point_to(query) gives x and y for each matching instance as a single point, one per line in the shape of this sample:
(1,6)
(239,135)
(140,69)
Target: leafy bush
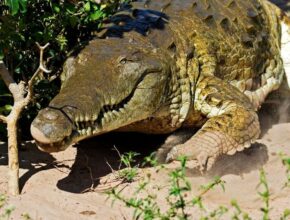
(65,24)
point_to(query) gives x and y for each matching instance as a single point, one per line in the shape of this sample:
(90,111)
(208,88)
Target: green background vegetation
(65,24)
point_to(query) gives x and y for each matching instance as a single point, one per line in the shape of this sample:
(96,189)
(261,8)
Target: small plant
(238,213)
(265,195)
(286,162)
(7,211)
(144,202)
(129,173)
(26,216)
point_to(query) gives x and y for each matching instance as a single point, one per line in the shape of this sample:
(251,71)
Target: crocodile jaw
(56,128)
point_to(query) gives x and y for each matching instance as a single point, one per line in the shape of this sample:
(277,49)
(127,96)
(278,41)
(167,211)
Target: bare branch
(41,68)
(22,94)
(5,75)
(3,119)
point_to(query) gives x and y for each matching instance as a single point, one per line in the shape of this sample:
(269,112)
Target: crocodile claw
(204,159)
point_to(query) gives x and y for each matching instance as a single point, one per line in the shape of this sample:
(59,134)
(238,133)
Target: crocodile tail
(285,44)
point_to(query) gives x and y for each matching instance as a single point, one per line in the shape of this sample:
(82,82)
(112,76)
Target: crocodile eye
(122,60)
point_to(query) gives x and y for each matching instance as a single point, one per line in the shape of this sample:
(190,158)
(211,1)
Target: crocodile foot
(205,148)
(232,124)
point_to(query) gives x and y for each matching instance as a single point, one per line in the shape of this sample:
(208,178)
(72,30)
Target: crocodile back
(233,39)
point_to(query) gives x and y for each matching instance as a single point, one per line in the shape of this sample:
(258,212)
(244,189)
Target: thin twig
(120,156)
(41,68)
(92,187)
(3,119)
(5,75)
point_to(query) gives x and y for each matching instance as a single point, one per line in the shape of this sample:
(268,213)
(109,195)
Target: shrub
(65,24)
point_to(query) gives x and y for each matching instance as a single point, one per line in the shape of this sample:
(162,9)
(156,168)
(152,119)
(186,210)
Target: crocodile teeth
(87,118)
(106,118)
(82,118)
(111,115)
(89,131)
(122,110)
(83,132)
(115,113)
(94,118)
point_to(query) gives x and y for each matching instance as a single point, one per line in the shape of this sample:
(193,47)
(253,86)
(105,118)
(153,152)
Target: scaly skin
(167,65)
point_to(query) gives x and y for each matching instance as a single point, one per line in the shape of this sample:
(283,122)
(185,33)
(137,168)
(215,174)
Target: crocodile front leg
(232,123)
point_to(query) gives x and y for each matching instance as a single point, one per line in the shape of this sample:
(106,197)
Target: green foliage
(286,163)
(265,195)
(238,213)
(145,204)
(130,172)
(147,207)
(16,5)
(65,24)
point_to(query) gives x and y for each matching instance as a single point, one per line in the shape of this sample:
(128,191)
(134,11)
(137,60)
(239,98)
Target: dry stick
(22,94)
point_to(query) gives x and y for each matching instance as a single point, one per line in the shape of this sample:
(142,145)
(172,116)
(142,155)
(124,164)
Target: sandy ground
(58,186)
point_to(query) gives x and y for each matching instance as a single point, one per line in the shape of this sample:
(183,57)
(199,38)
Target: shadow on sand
(94,155)
(31,159)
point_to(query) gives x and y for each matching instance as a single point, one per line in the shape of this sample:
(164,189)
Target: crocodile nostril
(50,115)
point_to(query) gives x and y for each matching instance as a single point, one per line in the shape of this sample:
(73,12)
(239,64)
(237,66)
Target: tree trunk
(13,173)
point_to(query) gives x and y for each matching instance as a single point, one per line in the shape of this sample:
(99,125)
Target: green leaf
(96,15)
(56,8)
(13,5)
(87,6)
(5,109)
(23,6)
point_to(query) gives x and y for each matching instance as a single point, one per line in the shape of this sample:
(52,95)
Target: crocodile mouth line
(86,126)
(107,113)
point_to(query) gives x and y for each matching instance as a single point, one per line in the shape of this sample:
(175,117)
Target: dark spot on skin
(209,20)
(247,41)
(218,124)
(252,13)
(225,23)
(251,30)
(172,47)
(194,4)
(232,4)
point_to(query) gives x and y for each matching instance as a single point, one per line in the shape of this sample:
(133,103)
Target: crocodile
(162,66)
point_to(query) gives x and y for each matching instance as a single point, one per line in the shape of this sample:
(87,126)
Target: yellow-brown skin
(198,62)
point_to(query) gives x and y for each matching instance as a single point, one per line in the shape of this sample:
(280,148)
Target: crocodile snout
(51,129)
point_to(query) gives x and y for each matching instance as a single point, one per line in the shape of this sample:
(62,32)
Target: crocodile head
(110,84)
